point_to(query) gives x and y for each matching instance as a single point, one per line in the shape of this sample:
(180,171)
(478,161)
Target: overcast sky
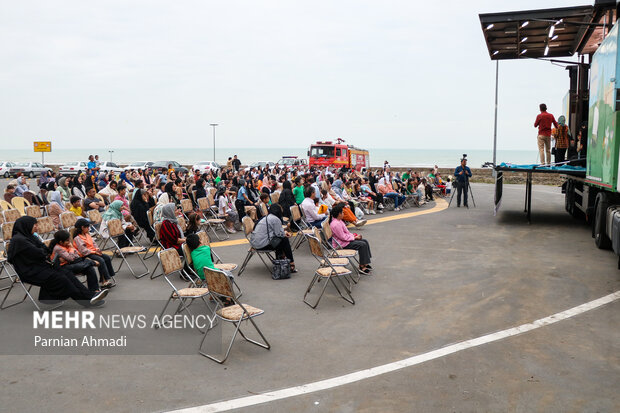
(381,74)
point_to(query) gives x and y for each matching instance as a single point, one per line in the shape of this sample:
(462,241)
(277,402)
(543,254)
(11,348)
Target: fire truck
(338,155)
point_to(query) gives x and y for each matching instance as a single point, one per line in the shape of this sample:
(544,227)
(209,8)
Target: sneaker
(373,212)
(99,297)
(360,222)
(396,209)
(97,304)
(380,206)
(231,231)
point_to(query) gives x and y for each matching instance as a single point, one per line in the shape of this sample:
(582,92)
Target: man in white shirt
(311,211)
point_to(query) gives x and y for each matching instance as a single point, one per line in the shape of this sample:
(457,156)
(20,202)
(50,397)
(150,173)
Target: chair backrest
(5,206)
(157,229)
(7,231)
(204,238)
(182,223)
(327,230)
(212,191)
(263,209)
(248,225)
(68,219)
(149,216)
(275,197)
(203,204)
(186,205)
(45,225)
(20,203)
(170,261)
(94,216)
(115,227)
(187,253)
(210,200)
(1,218)
(295,213)
(218,282)
(315,246)
(11,215)
(33,211)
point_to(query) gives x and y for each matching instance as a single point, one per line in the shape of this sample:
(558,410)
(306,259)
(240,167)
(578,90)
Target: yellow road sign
(43,146)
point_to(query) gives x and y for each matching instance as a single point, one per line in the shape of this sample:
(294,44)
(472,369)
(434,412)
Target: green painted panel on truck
(602,163)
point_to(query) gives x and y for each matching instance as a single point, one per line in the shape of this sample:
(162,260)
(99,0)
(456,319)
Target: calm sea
(186,156)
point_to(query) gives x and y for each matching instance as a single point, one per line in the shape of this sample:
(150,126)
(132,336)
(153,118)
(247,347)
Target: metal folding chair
(33,211)
(299,223)
(186,207)
(214,221)
(45,227)
(328,271)
(171,263)
(68,220)
(116,232)
(158,247)
(221,289)
(11,215)
(248,227)
(94,216)
(340,252)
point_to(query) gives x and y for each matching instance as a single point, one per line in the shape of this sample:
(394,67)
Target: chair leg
(316,278)
(264,345)
(221,361)
(246,260)
(349,297)
(153,276)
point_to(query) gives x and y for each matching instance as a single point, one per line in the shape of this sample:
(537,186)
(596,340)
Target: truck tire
(601,239)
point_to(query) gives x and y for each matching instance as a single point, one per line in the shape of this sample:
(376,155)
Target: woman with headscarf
(102,181)
(29,257)
(287,199)
(268,228)
(55,208)
(139,210)
(562,137)
(44,178)
(115,212)
(170,191)
(78,189)
(63,188)
(225,208)
(171,235)
(200,189)
(125,180)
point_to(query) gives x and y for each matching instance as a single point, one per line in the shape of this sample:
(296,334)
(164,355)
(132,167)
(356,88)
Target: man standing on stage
(544,121)
(462,173)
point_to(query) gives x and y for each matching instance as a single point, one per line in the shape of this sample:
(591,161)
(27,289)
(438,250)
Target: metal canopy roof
(559,32)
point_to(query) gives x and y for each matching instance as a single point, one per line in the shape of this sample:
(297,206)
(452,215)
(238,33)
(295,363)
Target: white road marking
(397,365)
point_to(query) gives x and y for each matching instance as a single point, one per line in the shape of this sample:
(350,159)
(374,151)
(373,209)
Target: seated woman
(115,212)
(70,259)
(193,224)
(55,208)
(139,211)
(287,199)
(28,255)
(122,196)
(171,235)
(109,192)
(87,248)
(63,188)
(225,207)
(342,238)
(268,228)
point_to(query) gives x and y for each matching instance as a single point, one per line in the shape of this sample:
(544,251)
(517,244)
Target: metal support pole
(495,127)
(213,125)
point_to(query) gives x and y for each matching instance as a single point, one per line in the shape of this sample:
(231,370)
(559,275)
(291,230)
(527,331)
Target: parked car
(4,168)
(206,166)
(138,165)
(30,169)
(160,166)
(261,164)
(292,162)
(73,168)
(108,167)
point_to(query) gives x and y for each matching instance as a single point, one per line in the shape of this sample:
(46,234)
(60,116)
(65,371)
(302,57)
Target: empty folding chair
(33,211)
(328,271)
(45,227)
(171,263)
(20,203)
(214,221)
(116,232)
(11,215)
(68,220)
(94,216)
(248,227)
(221,289)
(158,247)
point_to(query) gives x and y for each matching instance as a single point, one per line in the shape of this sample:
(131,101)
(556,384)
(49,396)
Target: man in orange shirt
(543,122)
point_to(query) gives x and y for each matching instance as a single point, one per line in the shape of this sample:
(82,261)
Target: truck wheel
(601,239)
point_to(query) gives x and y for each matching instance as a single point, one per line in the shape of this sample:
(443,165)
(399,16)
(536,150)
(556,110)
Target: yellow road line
(440,205)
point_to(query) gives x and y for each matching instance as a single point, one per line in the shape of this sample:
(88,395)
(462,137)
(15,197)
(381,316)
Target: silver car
(4,168)
(30,169)
(73,168)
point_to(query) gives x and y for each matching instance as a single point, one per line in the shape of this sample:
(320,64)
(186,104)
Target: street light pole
(495,126)
(213,125)
(111,152)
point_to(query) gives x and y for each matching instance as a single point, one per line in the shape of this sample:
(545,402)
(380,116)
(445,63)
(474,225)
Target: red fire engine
(338,155)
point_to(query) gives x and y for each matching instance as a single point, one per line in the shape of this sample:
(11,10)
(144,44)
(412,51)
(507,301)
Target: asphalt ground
(440,278)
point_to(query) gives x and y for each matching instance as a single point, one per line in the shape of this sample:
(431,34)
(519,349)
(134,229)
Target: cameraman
(462,173)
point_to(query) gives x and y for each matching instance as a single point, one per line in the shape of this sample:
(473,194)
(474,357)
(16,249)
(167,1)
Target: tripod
(455,188)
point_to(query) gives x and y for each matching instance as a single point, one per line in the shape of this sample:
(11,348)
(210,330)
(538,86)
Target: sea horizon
(188,156)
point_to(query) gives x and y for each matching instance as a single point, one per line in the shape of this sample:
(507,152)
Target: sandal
(293,270)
